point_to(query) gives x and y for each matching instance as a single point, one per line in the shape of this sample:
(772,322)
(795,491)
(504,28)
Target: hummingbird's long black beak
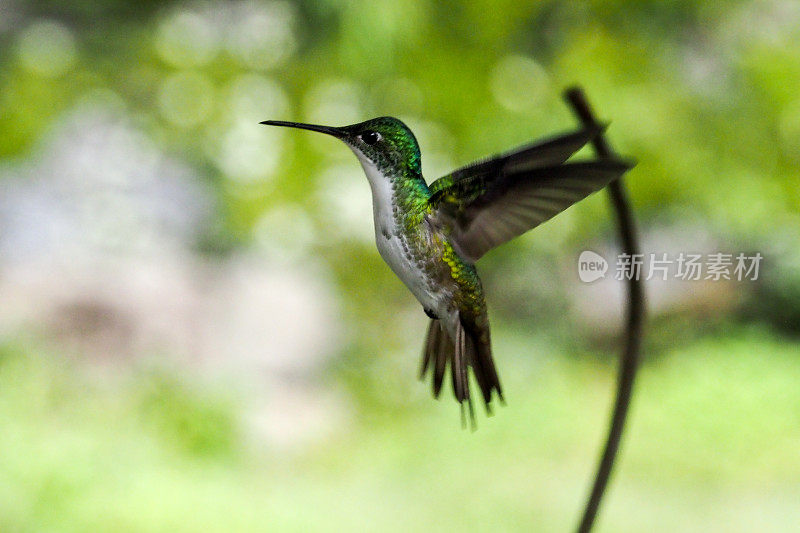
(330,130)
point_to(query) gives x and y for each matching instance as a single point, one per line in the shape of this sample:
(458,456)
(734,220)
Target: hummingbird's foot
(430,314)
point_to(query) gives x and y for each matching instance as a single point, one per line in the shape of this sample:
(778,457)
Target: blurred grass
(714,443)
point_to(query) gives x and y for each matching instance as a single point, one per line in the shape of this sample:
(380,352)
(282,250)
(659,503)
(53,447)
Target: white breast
(391,241)
(382,196)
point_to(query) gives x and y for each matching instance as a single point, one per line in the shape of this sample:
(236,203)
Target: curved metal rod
(629,358)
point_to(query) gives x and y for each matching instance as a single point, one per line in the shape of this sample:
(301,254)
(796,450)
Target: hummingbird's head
(384,142)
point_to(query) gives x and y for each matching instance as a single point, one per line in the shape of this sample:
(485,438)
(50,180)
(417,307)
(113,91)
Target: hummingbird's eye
(370,137)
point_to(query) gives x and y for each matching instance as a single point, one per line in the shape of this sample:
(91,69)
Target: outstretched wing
(550,151)
(490,202)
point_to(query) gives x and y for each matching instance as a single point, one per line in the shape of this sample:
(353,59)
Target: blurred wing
(483,212)
(548,152)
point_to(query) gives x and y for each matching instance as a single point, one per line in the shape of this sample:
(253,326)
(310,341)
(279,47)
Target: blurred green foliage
(477,77)
(703,94)
(712,447)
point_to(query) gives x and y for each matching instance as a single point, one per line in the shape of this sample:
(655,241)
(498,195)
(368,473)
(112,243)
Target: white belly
(432,296)
(394,251)
(391,243)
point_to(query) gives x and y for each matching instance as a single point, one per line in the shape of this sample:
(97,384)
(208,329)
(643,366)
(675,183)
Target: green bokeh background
(106,427)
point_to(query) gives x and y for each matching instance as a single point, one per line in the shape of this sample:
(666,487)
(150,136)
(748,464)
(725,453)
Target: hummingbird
(431,235)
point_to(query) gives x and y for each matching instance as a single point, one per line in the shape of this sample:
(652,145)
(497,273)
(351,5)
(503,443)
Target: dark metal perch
(629,357)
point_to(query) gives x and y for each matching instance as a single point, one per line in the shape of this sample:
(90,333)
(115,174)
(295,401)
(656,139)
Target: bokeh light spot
(47,48)
(333,102)
(285,233)
(257,98)
(186,98)
(346,202)
(519,83)
(249,151)
(186,39)
(260,35)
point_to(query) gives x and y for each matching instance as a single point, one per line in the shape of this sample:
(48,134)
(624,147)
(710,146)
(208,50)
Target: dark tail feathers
(470,348)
